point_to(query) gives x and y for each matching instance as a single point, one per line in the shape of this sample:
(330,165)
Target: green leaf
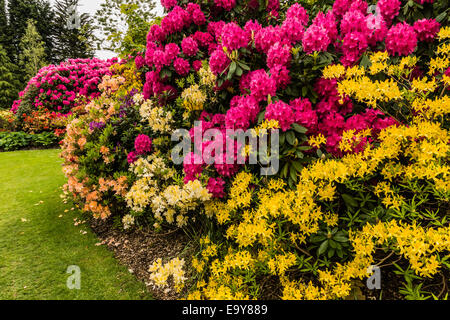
(323,247)
(293,174)
(340,238)
(298,128)
(297,166)
(304,91)
(239,71)
(233,67)
(290,137)
(349,200)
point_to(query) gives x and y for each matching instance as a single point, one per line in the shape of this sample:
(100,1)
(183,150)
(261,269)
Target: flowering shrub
(53,92)
(363,132)
(6,120)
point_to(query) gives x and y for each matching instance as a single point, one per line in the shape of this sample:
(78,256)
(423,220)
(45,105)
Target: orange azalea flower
(82,142)
(104,150)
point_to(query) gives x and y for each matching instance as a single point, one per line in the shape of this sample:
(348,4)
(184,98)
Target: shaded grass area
(39,241)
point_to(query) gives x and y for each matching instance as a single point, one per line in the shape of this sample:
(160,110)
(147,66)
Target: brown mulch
(137,250)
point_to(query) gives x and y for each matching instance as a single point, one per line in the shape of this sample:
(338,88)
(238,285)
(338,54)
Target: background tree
(8,82)
(20,11)
(123,24)
(72,41)
(32,48)
(5,32)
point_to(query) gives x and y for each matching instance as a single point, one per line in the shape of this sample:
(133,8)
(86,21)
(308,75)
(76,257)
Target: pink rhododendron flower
(224,169)
(340,7)
(296,11)
(267,37)
(237,118)
(132,157)
(234,37)
(181,66)
(293,30)
(389,9)
(401,40)
(261,85)
(218,61)
(354,21)
(377,29)
(327,21)
(226,4)
(216,187)
(354,45)
(193,165)
(315,39)
(280,74)
(168,4)
(279,55)
(139,61)
(143,144)
(281,112)
(189,46)
(359,5)
(197,65)
(426,29)
(156,34)
(203,38)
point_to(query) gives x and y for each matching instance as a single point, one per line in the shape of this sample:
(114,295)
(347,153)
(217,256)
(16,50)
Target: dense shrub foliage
(49,96)
(359,94)
(11,141)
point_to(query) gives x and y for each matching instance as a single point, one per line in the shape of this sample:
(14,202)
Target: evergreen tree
(8,83)
(20,11)
(32,48)
(5,32)
(72,40)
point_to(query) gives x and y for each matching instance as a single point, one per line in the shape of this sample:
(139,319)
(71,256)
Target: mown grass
(37,245)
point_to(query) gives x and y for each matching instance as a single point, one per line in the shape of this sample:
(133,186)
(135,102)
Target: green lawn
(37,245)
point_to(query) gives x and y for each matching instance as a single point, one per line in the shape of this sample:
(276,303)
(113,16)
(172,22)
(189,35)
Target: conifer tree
(32,57)
(74,32)
(8,82)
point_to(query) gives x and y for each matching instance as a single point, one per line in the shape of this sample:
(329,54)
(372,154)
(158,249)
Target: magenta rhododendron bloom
(279,55)
(340,7)
(377,29)
(354,45)
(267,37)
(189,46)
(182,66)
(143,144)
(315,39)
(168,4)
(139,61)
(426,29)
(216,187)
(401,40)
(218,61)
(389,9)
(327,21)
(171,50)
(354,21)
(262,85)
(296,11)
(281,112)
(132,157)
(225,4)
(193,165)
(234,37)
